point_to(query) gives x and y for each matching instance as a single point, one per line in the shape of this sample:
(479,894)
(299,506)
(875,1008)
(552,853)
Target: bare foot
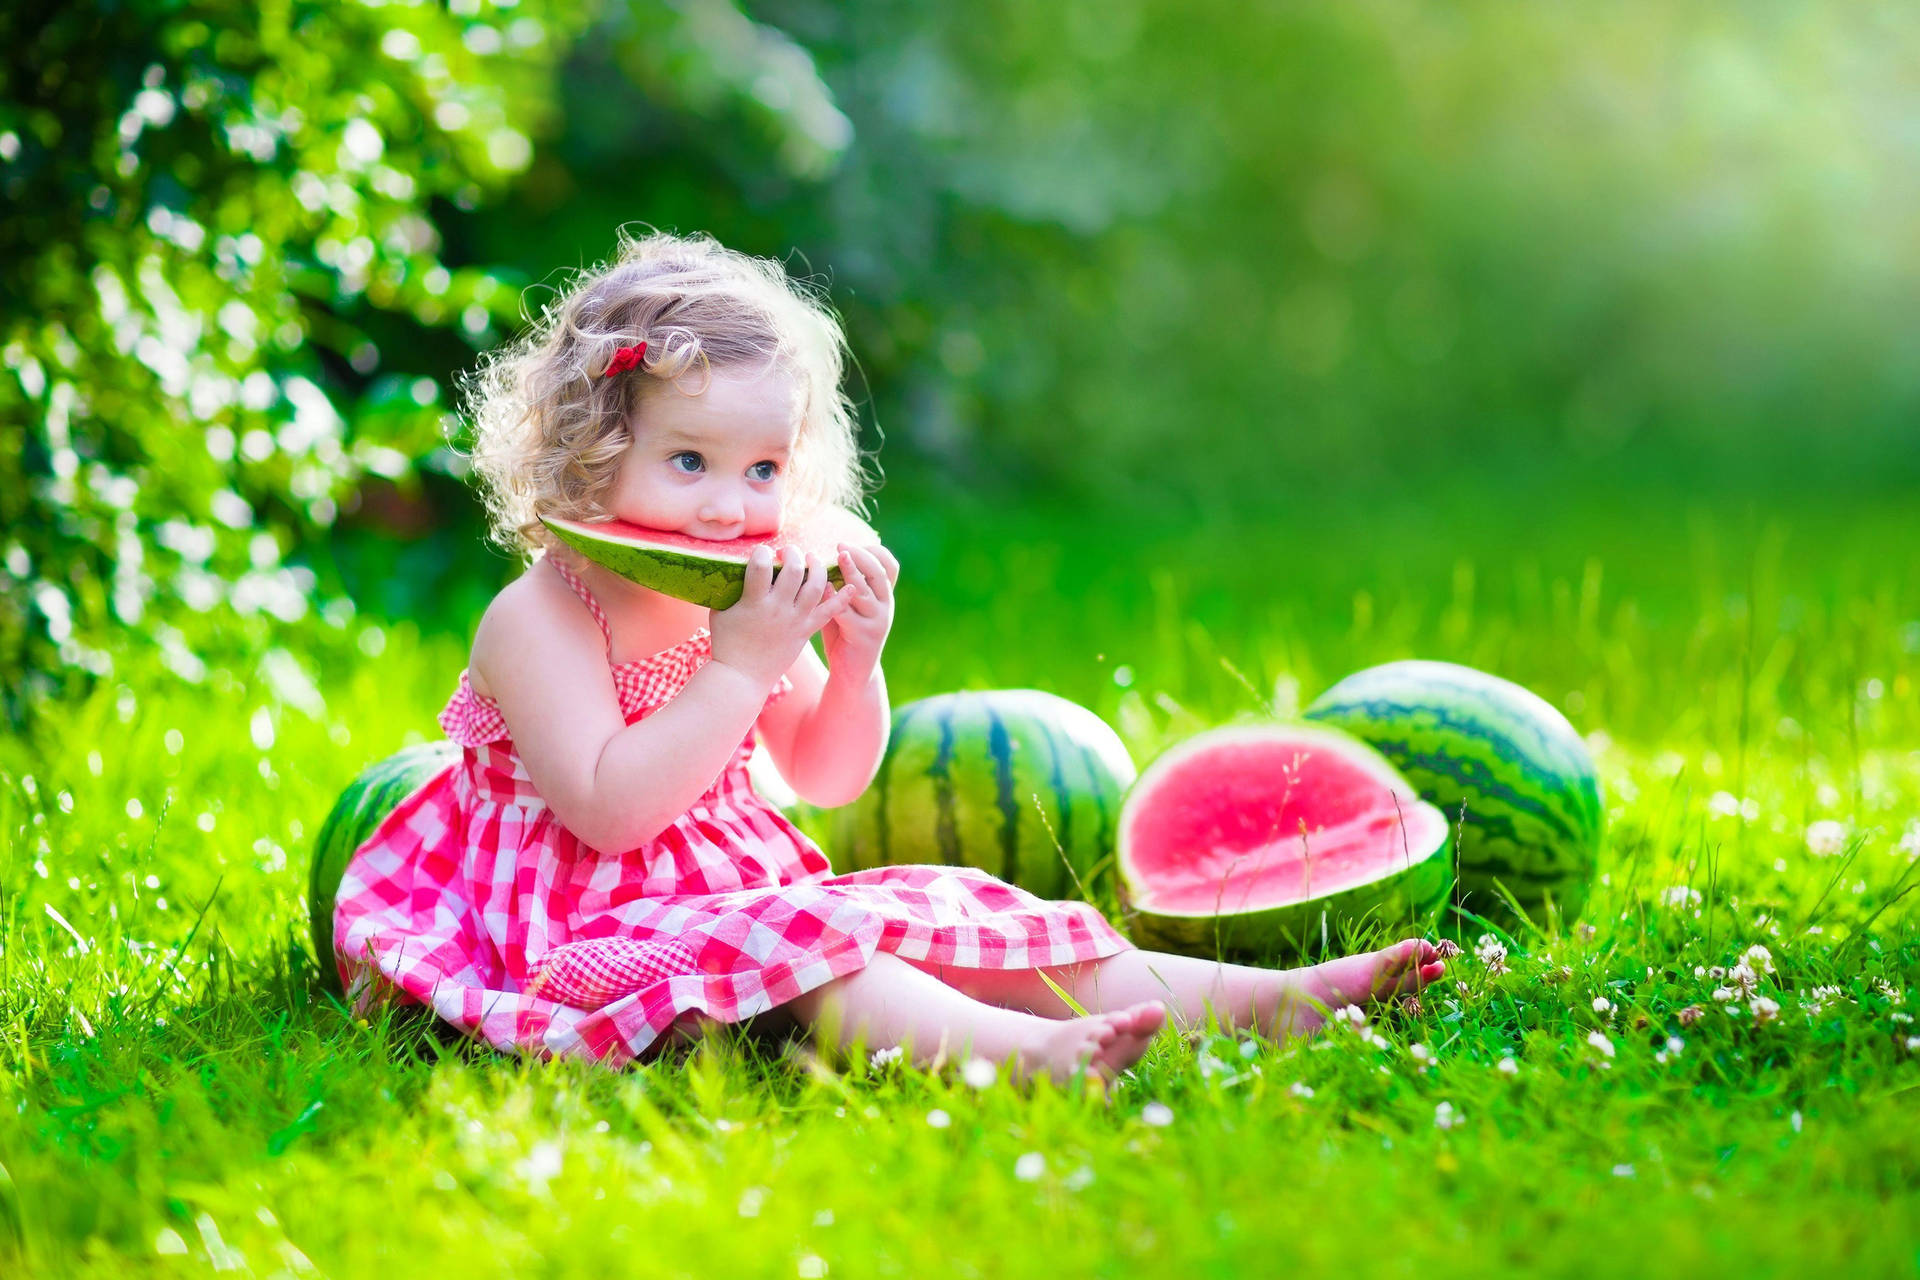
(1401,969)
(1104,1043)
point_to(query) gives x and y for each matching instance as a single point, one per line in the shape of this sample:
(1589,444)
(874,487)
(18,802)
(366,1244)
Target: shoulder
(535,618)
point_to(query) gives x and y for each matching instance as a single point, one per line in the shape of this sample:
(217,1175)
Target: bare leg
(892,1003)
(1276,1002)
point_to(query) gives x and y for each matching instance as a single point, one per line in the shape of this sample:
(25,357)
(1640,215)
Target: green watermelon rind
(362,806)
(1411,897)
(954,789)
(1409,894)
(1529,807)
(715,581)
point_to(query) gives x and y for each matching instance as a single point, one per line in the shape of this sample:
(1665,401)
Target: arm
(828,735)
(613,784)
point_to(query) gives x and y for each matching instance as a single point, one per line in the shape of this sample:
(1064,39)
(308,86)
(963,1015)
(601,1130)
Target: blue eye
(687,462)
(762,470)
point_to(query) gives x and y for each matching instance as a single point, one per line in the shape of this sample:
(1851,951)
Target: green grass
(181,1097)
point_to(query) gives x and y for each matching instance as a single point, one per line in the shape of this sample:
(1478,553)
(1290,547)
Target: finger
(817,585)
(861,600)
(884,570)
(793,572)
(852,570)
(759,574)
(827,610)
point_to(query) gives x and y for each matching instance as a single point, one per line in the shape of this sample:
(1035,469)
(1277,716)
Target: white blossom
(979,1073)
(1507,1067)
(1445,1117)
(1598,1039)
(1826,838)
(1157,1114)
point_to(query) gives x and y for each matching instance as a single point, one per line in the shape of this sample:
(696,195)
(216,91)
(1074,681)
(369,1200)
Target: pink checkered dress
(472,898)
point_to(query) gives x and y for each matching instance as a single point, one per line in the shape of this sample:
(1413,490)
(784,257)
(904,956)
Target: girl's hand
(763,633)
(854,638)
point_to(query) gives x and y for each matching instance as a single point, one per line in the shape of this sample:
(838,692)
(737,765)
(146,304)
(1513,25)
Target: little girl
(596,872)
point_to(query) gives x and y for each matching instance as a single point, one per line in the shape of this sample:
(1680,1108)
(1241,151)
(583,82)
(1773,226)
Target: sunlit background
(1378,294)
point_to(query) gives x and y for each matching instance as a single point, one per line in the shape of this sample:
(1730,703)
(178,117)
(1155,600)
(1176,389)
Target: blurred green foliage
(1179,258)
(222,228)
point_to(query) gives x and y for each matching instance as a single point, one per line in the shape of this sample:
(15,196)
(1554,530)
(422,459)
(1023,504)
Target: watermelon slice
(701,570)
(1267,839)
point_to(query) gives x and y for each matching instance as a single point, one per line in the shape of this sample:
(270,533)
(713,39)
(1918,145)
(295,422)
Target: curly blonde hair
(549,429)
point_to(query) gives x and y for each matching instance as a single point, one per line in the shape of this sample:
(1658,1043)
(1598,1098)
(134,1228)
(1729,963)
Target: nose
(723,504)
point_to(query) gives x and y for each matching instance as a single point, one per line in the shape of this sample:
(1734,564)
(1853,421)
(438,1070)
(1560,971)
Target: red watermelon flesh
(1262,830)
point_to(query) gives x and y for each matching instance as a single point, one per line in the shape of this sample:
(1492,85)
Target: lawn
(1747,672)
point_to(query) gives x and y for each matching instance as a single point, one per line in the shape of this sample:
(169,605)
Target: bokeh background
(1245,319)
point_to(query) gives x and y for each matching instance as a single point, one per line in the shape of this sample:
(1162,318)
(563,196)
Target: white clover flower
(1157,1114)
(1623,1171)
(938,1118)
(1910,841)
(1030,1166)
(1763,1010)
(1598,1040)
(1080,1179)
(1723,804)
(1913,1044)
(1796,1121)
(884,1057)
(1507,1067)
(1445,1117)
(979,1073)
(1759,958)
(1492,953)
(1681,895)
(1717,972)
(1724,994)
(1351,1015)
(1743,978)
(1419,1052)
(1826,838)
(1602,1006)
(1301,1089)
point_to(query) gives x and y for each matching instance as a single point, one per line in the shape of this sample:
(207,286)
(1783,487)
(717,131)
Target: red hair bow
(625,358)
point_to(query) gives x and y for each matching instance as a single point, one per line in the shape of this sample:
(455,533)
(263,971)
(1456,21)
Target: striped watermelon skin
(361,808)
(978,778)
(1533,817)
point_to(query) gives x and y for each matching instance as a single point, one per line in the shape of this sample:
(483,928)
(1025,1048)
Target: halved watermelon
(1267,839)
(701,570)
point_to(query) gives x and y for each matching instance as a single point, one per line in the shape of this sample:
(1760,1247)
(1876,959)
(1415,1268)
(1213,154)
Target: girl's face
(712,465)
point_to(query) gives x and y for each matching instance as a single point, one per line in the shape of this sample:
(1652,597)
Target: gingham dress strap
(586,596)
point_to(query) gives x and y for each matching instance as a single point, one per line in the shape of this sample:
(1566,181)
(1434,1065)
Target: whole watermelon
(360,809)
(1019,783)
(1532,818)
